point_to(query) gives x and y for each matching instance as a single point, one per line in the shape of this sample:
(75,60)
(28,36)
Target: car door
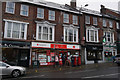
(5,69)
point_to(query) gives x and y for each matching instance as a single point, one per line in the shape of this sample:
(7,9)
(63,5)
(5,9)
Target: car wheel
(16,73)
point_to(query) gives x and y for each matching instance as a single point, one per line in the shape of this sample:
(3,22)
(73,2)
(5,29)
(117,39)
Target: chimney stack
(73,3)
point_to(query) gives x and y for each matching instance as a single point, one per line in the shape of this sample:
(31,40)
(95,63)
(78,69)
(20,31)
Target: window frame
(48,26)
(96,21)
(40,13)
(87,19)
(88,37)
(75,19)
(70,28)
(66,18)
(24,10)
(13,8)
(117,25)
(51,15)
(110,23)
(111,41)
(18,22)
(104,23)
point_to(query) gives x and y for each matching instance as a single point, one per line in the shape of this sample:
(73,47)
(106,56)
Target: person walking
(56,61)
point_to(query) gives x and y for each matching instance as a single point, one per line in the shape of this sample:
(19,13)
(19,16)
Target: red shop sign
(59,46)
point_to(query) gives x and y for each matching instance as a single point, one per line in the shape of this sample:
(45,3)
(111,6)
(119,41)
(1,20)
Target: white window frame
(52,15)
(110,23)
(13,7)
(87,19)
(45,25)
(117,25)
(95,21)
(68,28)
(90,35)
(104,23)
(25,10)
(110,36)
(19,22)
(42,13)
(75,19)
(66,18)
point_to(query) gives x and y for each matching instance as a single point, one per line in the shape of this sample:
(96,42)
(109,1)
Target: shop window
(70,34)
(108,54)
(15,29)
(94,55)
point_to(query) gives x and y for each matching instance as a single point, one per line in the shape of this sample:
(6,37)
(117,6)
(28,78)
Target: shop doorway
(23,57)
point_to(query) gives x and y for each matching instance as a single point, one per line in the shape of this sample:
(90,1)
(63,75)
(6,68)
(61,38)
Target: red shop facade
(45,53)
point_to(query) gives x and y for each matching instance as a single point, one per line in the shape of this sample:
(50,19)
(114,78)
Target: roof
(51,5)
(89,11)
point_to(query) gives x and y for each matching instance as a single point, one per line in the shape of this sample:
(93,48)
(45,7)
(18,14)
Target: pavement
(63,68)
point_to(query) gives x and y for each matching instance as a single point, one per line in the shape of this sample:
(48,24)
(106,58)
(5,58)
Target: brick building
(39,30)
(99,36)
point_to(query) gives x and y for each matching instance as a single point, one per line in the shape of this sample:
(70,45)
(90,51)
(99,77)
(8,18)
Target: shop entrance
(23,57)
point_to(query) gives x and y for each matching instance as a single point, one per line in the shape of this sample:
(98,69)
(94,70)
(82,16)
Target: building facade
(38,31)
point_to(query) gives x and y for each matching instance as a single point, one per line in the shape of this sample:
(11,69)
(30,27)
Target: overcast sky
(93,4)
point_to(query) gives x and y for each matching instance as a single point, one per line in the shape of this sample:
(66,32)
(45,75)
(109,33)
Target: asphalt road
(95,73)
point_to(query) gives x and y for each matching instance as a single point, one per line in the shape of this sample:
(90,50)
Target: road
(97,72)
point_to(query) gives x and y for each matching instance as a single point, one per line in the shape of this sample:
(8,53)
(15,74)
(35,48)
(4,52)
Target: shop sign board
(55,46)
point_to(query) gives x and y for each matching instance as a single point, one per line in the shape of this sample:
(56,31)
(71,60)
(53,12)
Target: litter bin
(36,64)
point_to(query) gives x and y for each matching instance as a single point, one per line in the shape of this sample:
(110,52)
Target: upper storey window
(24,10)
(10,7)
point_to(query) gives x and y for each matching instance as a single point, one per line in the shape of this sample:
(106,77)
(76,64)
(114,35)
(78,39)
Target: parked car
(14,71)
(117,59)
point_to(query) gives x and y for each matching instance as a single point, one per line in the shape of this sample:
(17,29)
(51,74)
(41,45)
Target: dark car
(117,59)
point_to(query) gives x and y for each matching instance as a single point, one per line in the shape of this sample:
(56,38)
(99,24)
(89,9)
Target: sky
(92,4)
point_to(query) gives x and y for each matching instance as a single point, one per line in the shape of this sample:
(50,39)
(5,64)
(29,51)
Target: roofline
(76,12)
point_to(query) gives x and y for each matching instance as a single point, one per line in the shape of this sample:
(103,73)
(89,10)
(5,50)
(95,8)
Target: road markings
(100,76)
(34,76)
(80,71)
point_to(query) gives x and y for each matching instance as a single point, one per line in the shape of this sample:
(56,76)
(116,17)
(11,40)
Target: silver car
(14,71)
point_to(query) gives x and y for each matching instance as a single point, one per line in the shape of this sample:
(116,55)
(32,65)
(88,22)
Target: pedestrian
(56,61)
(63,59)
(72,60)
(113,58)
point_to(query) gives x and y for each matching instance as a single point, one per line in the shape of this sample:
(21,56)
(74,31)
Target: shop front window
(94,55)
